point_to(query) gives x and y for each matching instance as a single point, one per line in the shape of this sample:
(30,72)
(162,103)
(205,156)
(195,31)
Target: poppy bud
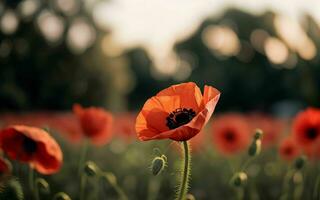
(12,190)
(61,196)
(190,197)
(158,164)
(43,185)
(255,148)
(258,134)
(300,162)
(239,179)
(91,169)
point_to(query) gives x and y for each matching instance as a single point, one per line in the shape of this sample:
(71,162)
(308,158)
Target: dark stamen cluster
(312,133)
(180,117)
(229,136)
(29,145)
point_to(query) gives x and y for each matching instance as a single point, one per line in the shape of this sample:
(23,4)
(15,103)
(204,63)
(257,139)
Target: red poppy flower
(178,112)
(231,133)
(272,128)
(67,125)
(306,127)
(32,145)
(289,149)
(96,123)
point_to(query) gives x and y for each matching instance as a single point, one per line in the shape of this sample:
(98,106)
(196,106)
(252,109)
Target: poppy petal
(190,94)
(152,119)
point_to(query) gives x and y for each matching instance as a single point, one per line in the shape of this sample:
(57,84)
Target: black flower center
(229,136)
(312,133)
(180,117)
(29,145)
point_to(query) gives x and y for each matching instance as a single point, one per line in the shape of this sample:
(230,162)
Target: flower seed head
(300,162)
(258,134)
(239,179)
(91,169)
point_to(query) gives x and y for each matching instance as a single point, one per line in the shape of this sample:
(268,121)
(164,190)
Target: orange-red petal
(151,121)
(48,156)
(189,93)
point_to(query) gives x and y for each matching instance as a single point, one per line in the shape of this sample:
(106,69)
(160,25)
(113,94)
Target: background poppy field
(81,70)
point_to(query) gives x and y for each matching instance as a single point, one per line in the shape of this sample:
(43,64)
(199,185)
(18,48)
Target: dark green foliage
(11,189)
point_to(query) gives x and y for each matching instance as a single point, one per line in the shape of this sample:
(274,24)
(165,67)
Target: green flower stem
(246,164)
(83,181)
(113,182)
(184,184)
(83,176)
(240,193)
(83,155)
(31,180)
(316,189)
(32,184)
(286,185)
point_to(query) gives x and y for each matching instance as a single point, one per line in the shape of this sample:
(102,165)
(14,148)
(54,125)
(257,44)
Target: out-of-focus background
(264,57)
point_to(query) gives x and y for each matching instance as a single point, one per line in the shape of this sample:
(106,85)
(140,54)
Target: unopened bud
(91,169)
(258,134)
(300,162)
(158,164)
(12,190)
(43,185)
(255,148)
(239,179)
(61,196)
(190,197)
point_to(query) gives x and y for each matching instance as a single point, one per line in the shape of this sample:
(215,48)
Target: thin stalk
(240,193)
(82,174)
(83,155)
(246,164)
(286,185)
(184,183)
(31,178)
(316,189)
(82,186)
(33,187)
(112,181)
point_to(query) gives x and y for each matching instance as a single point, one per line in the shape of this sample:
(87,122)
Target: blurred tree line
(37,75)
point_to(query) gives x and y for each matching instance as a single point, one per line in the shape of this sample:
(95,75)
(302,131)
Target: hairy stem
(183,187)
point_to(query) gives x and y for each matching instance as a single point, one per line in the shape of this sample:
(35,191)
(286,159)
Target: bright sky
(158,24)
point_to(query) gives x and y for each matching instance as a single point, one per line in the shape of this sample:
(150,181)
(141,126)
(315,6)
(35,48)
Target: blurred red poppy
(32,145)
(231,133)
(67,125)
(272,128)
(124,126)
(96,123)
(306,127)
(196,143)
(288,149)
(178,112)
